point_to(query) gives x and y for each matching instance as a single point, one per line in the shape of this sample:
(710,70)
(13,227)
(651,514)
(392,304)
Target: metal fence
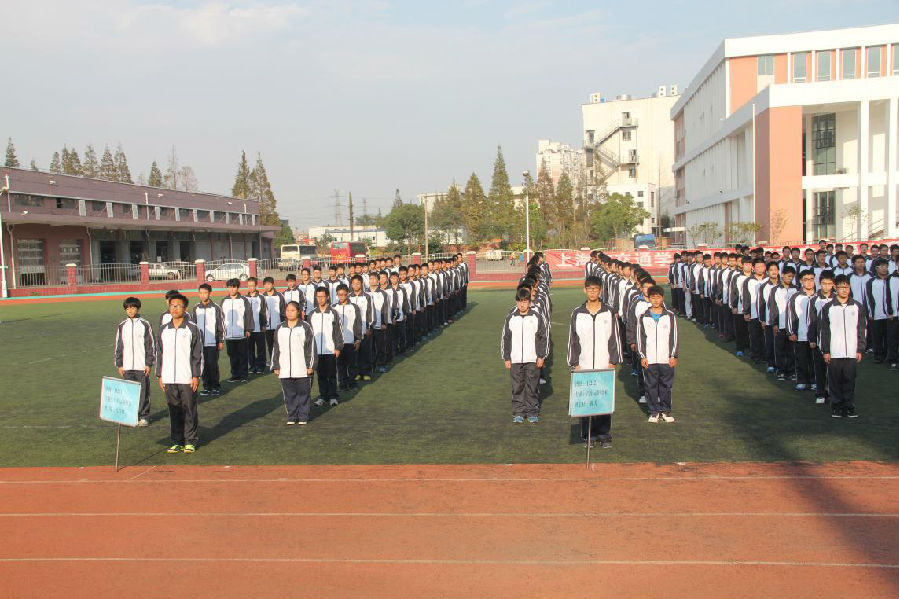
(500,261)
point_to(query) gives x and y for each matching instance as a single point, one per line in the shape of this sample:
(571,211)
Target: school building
(106,229)
(797,133)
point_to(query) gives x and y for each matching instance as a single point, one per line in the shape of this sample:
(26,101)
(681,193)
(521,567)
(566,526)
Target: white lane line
(451,514)
(313,560)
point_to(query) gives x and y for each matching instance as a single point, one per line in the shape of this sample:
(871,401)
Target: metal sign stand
(589,440)
(118,434)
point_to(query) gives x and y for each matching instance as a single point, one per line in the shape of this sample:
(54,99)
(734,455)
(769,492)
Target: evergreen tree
(11,159)
(501,200)
(107,166)
(155,178)
(564,210)
(74,163)
(91,166)
(261,191)
(65,163)
(123,173)
(241,187)
(55,164)
(474,204)
(33,165)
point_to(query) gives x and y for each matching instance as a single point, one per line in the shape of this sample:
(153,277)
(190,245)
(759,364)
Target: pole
(4,291)
(589,441)
(424,201)
(527,226)
(118,433)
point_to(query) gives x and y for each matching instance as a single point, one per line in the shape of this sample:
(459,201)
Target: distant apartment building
(558,158)
(371,235)
(628,148)
(795,132)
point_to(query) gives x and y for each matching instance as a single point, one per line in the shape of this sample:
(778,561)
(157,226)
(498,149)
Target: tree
(123,173)
(564,210)
(65,164)
(91,166)
(107,166)
(446,213)
(71,164)
(11,158)
(500,200)
(55,164)
(261,191)
(474,204)
(544,195)
(405,224)
(241,187)
(617,217)
(172,171)
(285,235)
(707,232)
(33,165)
(188,179)
(155,177)
(735,232)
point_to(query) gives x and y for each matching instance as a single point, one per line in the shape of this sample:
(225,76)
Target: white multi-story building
(628,148)
(558,158)
(797,133)
(371,235)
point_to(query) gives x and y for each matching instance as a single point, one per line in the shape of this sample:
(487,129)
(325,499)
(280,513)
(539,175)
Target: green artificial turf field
(448,402)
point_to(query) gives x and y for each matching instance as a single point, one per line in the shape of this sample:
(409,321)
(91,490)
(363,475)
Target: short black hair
(180,298)
(788,270)
(522,293)
(171,293)
(592,282)
(233,283)
(269,280)
(292,277)
(205,286)
(343,287)
(825,274)
(357,278)
(131,302)
(252,279)
(840,279)
(805,272)
(655,290)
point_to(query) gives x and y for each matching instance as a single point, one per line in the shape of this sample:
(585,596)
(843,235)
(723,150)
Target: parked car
(229,270)
(164,271)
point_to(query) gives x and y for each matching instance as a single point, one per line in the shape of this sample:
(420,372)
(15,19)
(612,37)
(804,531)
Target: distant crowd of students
(343,329)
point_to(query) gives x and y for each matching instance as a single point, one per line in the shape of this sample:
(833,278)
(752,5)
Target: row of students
(835,256)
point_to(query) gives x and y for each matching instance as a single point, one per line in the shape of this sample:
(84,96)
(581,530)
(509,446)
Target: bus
(292,255)
(346,251)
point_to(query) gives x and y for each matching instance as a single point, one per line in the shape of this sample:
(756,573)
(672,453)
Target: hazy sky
(362,96)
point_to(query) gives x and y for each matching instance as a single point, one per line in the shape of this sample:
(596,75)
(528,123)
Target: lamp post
(527,218)
(4,292)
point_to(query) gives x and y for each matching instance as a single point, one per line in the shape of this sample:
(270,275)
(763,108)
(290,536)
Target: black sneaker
(215,392)
(233,380)
(836,413)
(606,444)
(850,413)
(205,392)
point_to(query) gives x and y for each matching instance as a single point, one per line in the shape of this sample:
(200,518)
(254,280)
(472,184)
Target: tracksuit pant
(211,375)
(399,336)
(878,338)
(138,376)
(769,346)
(269,344)
(379,347)
(363,356)
(256,351)
(677,298)
(783,353)
(893,340)
(524,388)
(688,304)
(841,379)
(638,368)
(410,330)
(756,340)
(659,380)
(296,398)
(820,373)
(741,332)
(237,353)
(182,404)
(697,307)
(390,340)
(805,368)
(327,376)
(346,366)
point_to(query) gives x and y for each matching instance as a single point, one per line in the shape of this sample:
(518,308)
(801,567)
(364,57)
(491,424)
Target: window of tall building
(825,215)
(800,62)
(632,172)
(824,142)
(874,61)
(895,59)
(626,135)
(766,64)
(823,71)
(848,70)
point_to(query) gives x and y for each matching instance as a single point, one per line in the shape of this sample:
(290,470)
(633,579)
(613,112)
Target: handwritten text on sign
(119,401)
(592,393)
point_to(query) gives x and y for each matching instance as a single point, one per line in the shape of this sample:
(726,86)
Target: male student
(879,306)
(211,321)
(594,343)
(825,296)
(293,362)
(639,303)
(893,323)
(801,316)
(275,305)
(135,352)
(657,344)
(179,363)
(740,326)
(842,343)
(307,288)
(751,309)
(328,343)
(524,345)
(380,318)
(362,300)
(765,290)
(237,312)
(784,359)
(166,316)
(351,326)
(256,341)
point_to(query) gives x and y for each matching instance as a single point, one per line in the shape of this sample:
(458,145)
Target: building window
(626,135)
(26,201)
(825,222)
(766,64)
(895,59)
(823,72)
(639,194)
(825,143)
(800,62)
(874,61)
(848,71)
(65,204)
(632,172)
(97,206)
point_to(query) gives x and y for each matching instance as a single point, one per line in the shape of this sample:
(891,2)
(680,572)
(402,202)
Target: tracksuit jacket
(524,338)
(179,353)
(135,347)
(275,305)
(802,316)
(657,341)
(878,298)
(364,303)
(585,329)
(211,321)
(350,321)
(238,314)
(294,350)
(328,330)
(842,329)
(777,306)
(259,312)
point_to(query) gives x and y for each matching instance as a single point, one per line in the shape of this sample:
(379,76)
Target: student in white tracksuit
(524,346)
(293,362)
(843,324)
(657,343)
(135,352)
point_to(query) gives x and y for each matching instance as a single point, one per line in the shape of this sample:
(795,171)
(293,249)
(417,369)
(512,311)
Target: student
(362,300)
(825,296)
(842,266)
(765,320)
(293,362)
(639,303)
(256,340)
(237,312)
(332,284)
(351,326)
(594,343)
(801,316)
(879,306)
(740,326)
(751,310)
(179,363)
(390,337)
(211,321)
(524,346)
(842,343)
(275,304)
(135,352)
(380,317)
(893,323)
(166,316)
(307,289)
(657,344)
(784,359)
(400,304)
(328,343)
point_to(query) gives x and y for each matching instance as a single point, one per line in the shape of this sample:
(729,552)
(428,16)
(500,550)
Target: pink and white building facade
(795,132)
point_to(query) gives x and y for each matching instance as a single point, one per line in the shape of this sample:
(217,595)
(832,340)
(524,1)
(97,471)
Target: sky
(362,96)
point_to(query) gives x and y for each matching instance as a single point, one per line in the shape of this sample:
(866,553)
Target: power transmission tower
(338,216)
(365,210)
(351,215)
(397,200)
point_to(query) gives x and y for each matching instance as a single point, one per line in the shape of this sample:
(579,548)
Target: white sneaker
(290,423)
(332,403)
(542,381)
(143,422)
(301,422)
(320,401)
(667,417)
(819,400)
(642,399)
(653,418)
